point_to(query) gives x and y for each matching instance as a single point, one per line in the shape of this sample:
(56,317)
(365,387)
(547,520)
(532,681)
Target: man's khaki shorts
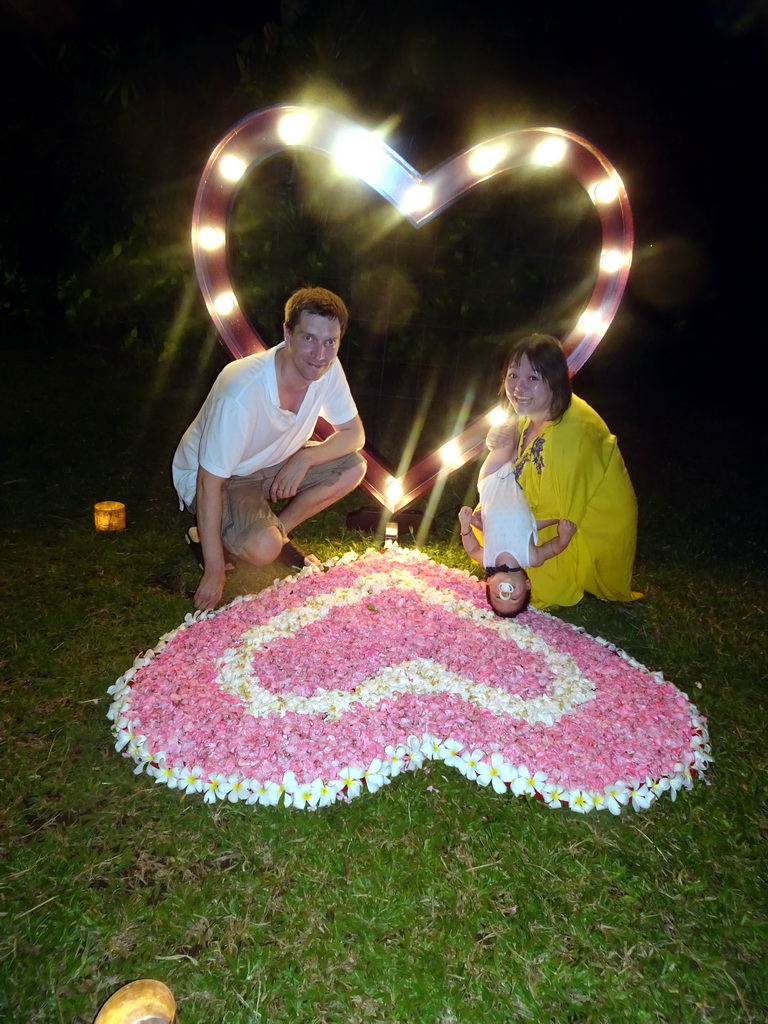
(246,508)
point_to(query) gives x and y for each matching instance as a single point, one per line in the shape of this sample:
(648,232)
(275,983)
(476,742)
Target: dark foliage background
(115,107)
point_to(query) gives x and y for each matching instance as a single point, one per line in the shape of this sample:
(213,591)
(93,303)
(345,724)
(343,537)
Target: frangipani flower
(326,792)
(598,800)
(450,751)
(163,773)
(580,801)
(350,777)
(616,796)
(528,783)
(191,781)
(430,746)
(266,793)
(658,786)
(396,759)
(676,783)
(470,764)
(140,757)
(239,789)
(498,773)
(216,787)
(375,775)
(305,794)
(415,753)
(640,796)
(553,794)
(126,735)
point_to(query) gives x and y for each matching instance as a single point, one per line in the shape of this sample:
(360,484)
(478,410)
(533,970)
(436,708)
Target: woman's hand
(505,435)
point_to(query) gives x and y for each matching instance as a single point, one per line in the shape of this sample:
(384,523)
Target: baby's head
(508,593)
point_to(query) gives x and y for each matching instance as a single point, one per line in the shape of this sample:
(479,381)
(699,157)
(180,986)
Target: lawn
(433,900)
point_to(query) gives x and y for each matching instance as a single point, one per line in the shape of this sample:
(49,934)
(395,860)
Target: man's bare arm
(346,438)
(208,510)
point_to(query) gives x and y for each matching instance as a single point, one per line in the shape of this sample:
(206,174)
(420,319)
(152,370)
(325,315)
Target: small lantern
(391,534)
(109,515)
(138,1003)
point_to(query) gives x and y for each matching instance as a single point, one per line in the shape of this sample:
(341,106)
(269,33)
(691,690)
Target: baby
(510,535)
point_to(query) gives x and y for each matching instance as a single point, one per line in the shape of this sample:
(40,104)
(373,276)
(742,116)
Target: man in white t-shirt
(250,442)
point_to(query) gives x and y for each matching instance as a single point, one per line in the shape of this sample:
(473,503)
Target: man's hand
(287,481)
(210,589)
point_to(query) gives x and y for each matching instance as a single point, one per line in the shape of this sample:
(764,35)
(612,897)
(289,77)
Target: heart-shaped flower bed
(329,683)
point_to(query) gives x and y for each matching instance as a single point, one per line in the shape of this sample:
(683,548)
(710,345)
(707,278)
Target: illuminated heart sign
(419,198)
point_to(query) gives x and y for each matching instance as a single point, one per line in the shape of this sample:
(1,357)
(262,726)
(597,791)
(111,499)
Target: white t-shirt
(508,523)
(241,427)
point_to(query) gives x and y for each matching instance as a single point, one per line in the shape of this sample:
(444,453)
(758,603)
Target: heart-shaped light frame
(418,198)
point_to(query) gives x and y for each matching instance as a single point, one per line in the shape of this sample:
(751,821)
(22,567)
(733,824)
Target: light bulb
(225,303)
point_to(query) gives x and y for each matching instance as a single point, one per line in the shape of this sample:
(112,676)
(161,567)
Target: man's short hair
(317,301)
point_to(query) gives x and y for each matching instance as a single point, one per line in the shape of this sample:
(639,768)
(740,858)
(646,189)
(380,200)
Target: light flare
(451,455)
(293,128)
(612,260)
(497,416)
(550,152)
(360,154)
(417,198)
(393,490)
(485,159)
(590,320)
(232,167)
(210,238)
(225,303)
(604,191)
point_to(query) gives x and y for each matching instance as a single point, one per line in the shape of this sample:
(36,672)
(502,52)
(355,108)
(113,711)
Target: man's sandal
(295,559)
(192,537)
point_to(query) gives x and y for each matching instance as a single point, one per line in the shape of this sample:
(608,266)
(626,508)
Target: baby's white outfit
(508,523)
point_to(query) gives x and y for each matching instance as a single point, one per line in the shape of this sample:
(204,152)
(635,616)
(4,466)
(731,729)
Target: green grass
(442,904)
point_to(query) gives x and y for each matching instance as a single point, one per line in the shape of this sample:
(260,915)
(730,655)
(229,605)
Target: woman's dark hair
(546,356)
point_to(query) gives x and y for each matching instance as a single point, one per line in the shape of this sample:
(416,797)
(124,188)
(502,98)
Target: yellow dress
(574,470)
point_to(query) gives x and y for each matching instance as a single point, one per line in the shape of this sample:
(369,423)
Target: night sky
(107,102)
